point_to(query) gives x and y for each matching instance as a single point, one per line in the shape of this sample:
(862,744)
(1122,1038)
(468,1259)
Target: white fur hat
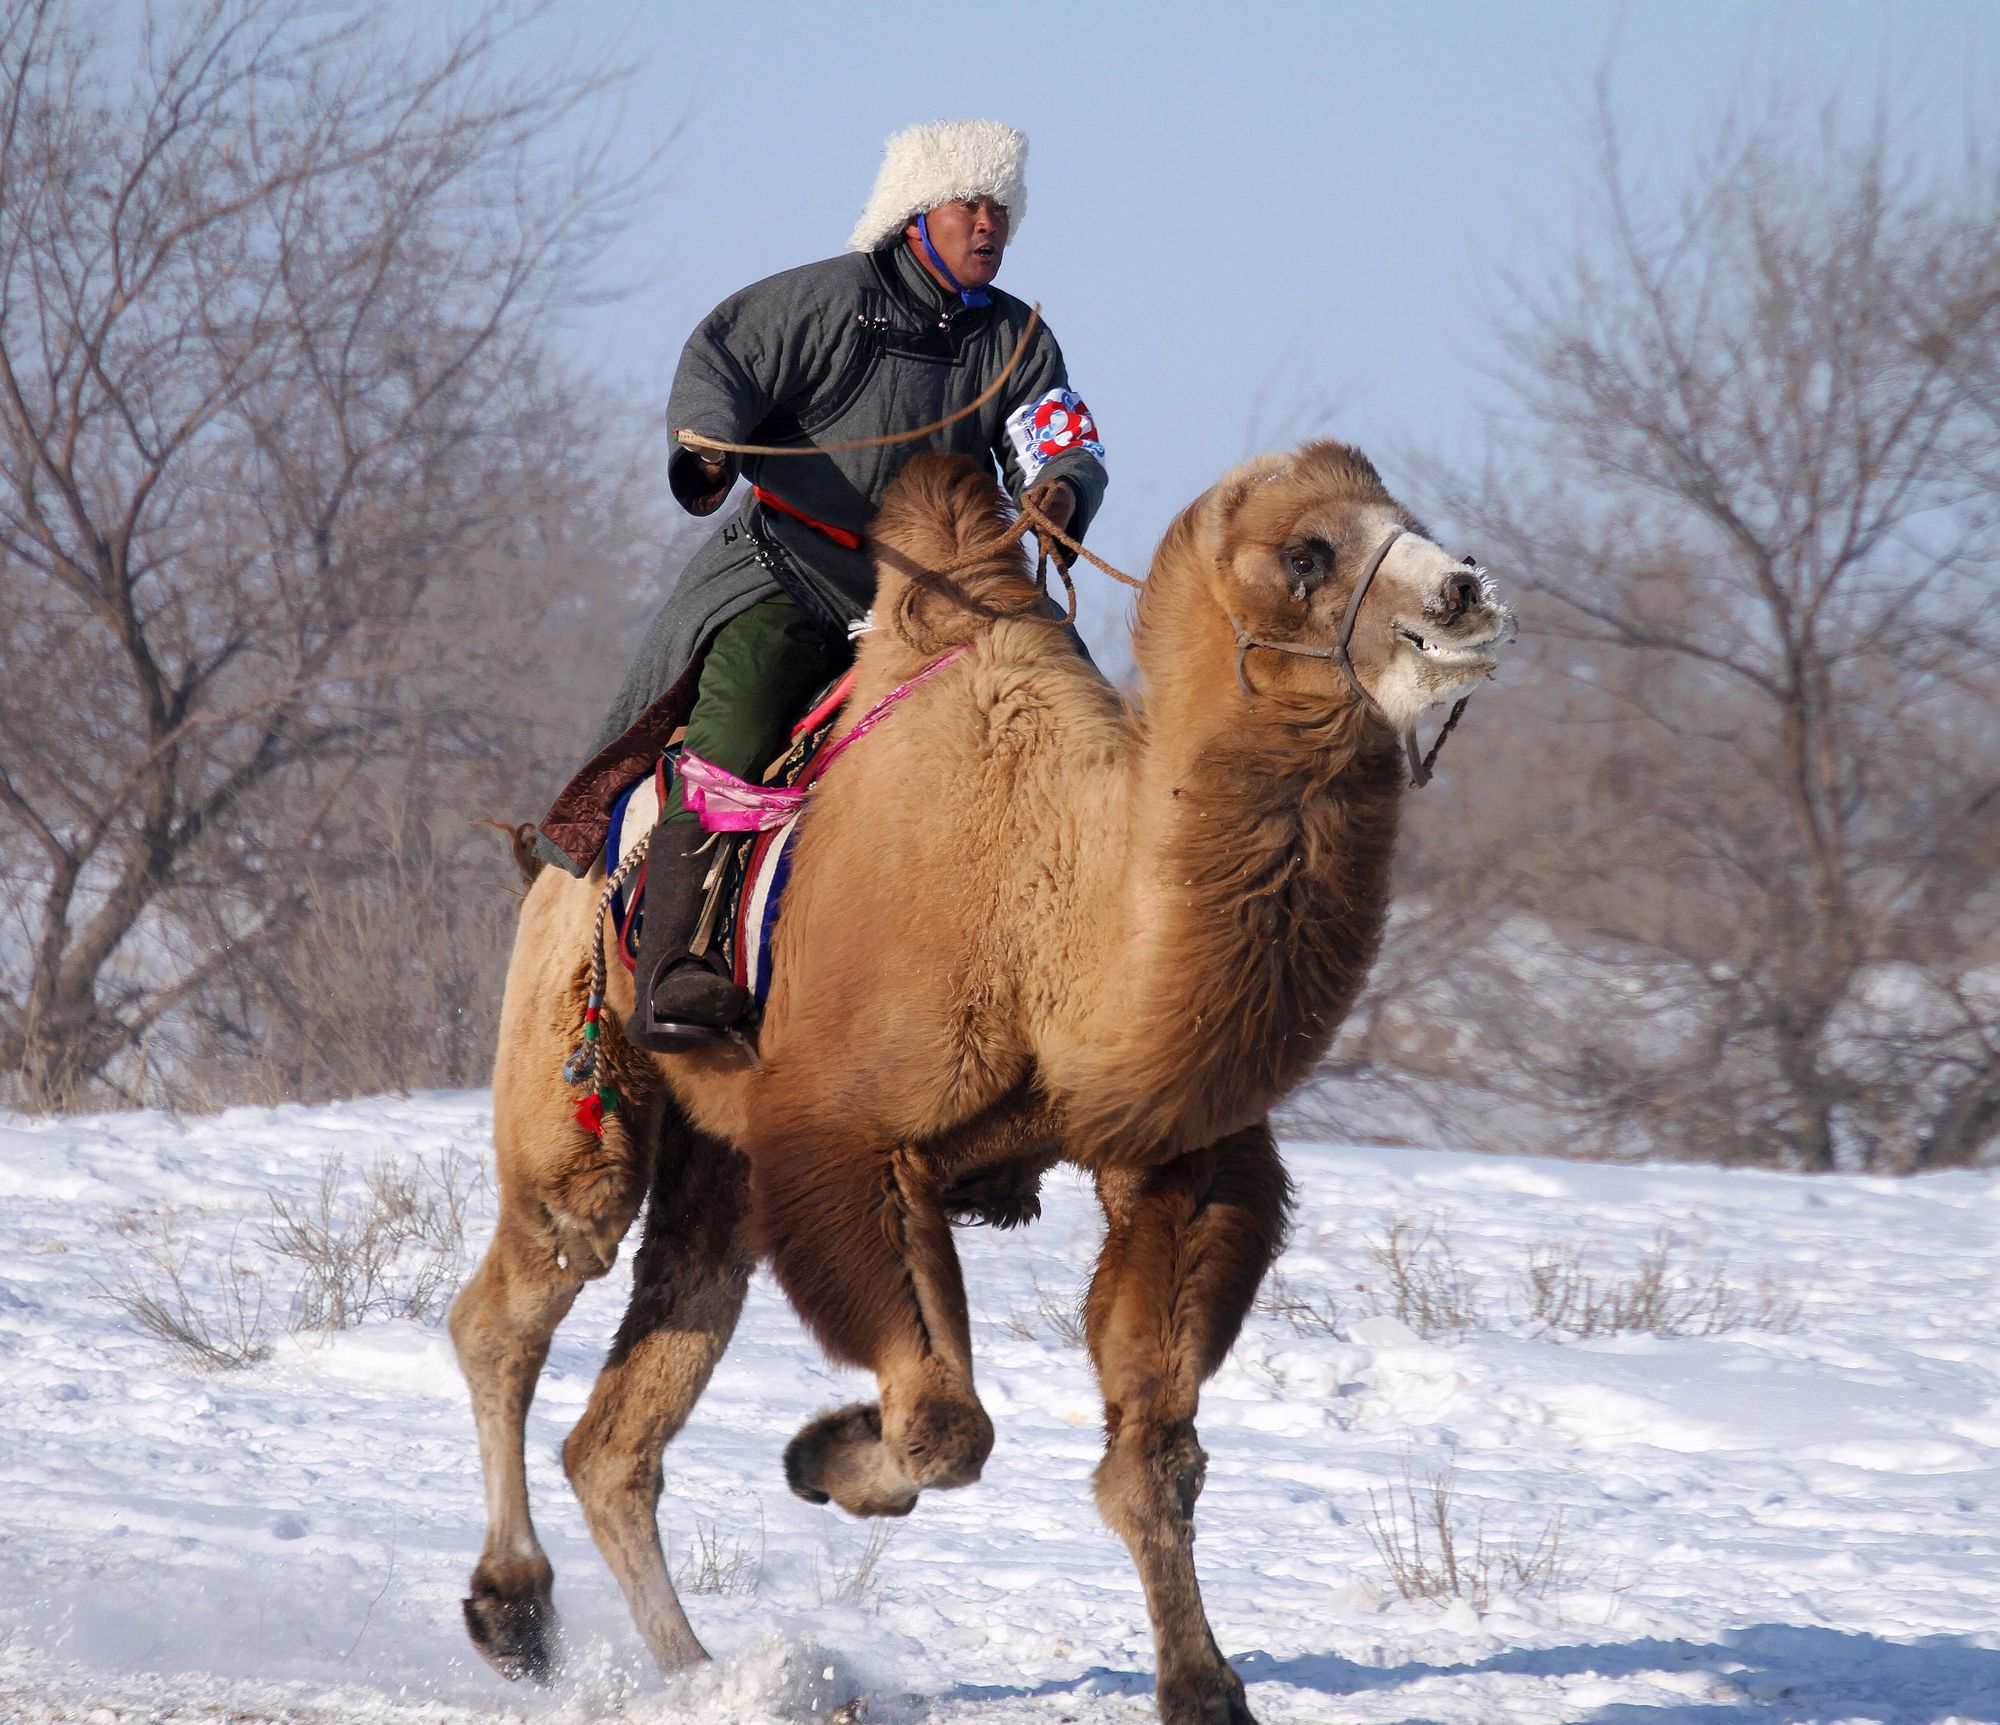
(924,166)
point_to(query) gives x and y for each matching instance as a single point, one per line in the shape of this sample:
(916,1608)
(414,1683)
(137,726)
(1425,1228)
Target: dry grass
(855,1580)
(1661,1295)
(1282,1298)
(1051,1315)
(1420,1533)
(1664,1292)
(718,1563)
(1427,1287)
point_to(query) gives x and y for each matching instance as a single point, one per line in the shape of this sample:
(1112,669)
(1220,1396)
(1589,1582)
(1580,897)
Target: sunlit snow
(1789,1523)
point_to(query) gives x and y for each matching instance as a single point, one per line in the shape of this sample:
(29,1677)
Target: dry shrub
(1420,1534)
(1660,1296)
(1428,1288)
(397,1254)
(227,1331)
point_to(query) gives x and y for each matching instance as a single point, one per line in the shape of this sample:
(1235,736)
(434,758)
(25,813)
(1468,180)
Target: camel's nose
(1458,595)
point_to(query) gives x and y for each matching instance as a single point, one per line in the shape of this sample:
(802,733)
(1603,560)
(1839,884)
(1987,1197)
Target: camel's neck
(1262,832)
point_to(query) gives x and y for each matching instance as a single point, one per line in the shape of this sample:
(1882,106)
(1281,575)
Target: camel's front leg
(1186,1246)
(859,1240)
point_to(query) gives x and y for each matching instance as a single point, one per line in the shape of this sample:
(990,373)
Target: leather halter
(1338,656)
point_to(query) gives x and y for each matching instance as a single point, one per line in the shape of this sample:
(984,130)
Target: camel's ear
(1208,518)
(1235,486)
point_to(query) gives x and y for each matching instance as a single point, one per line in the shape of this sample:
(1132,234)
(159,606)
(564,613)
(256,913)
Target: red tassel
(590,1114)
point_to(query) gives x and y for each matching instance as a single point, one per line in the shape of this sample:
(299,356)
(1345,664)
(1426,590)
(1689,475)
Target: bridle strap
(1338,656)
(1335,655)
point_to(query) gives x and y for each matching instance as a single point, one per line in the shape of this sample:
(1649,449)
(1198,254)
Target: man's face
(970,235)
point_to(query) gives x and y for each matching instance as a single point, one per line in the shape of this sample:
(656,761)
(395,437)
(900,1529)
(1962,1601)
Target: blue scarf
(971,296)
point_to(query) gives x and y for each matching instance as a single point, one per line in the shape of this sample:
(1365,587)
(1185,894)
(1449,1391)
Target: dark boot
(684,1001)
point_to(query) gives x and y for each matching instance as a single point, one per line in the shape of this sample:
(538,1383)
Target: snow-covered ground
(1790,1523)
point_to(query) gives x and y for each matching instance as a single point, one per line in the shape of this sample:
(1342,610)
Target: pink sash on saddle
(723,803)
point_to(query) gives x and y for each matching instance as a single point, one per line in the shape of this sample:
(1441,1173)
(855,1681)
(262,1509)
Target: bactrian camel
(1028,922)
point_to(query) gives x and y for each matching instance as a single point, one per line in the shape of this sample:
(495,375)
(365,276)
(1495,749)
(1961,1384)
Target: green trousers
(762,667)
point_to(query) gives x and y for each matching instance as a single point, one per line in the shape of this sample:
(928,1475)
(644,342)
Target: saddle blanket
(756,865)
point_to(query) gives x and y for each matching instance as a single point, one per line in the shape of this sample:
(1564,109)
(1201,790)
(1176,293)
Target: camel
(1029,921)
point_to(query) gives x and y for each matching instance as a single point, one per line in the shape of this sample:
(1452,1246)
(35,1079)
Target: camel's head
(1288,538)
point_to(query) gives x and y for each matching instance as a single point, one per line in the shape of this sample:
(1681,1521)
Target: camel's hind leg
(688,1285)
(1186,1246)
(859,1239)
(566,1198)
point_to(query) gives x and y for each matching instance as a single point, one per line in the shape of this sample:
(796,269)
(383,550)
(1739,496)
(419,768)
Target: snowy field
(1791,1518)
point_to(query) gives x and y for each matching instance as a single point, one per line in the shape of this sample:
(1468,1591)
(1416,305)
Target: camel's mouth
(1462,657)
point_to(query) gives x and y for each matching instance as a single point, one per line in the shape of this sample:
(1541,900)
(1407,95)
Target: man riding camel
(899,333)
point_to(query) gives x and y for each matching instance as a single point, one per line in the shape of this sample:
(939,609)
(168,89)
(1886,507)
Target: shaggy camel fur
(1144,925)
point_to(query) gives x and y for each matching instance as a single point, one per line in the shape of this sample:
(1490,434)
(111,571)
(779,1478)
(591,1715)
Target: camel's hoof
(944,1443)
(1212,1698)
(841,1456)
(516,1634)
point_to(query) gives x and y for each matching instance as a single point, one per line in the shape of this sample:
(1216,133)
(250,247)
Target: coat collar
(917,286)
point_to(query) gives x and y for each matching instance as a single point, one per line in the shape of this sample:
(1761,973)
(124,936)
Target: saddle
(749,872)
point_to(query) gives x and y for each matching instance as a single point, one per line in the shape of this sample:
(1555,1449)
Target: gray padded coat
(856,346)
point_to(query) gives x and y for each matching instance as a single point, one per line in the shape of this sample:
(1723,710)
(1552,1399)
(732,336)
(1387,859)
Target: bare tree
(1752,883)
(273,364)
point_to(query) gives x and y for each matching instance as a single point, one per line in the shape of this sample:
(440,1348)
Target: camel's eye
(1306,565)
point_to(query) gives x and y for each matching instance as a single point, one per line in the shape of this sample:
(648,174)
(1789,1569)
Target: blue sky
(1247,222)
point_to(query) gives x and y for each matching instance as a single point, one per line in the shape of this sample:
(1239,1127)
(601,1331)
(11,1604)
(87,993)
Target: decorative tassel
(591,1109)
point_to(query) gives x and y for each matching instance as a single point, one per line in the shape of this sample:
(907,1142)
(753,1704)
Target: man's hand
(702,481)
(1055,499)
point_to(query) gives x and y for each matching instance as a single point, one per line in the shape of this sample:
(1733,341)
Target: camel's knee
(519,1285)
(1150,1478)
(608,1475)
(593,1197)
(575,1194)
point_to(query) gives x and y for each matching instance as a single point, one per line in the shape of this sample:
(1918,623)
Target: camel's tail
(521,838)
(948,559)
